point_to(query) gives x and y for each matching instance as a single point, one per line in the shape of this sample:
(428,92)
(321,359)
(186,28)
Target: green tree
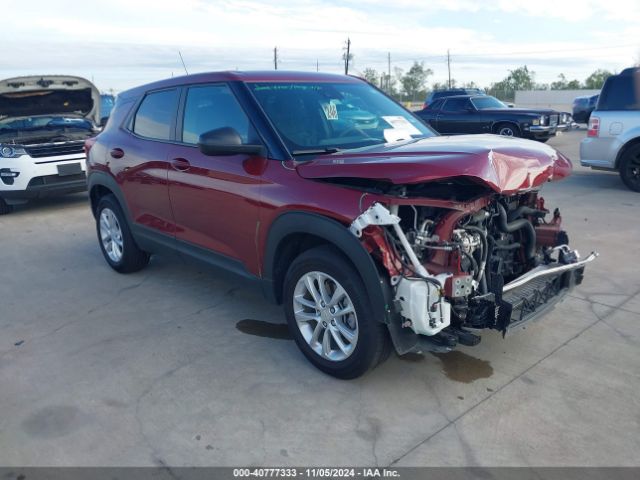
(564,84)
(597,78)
(574,85)
(519,79)
(371,76)
(413,82)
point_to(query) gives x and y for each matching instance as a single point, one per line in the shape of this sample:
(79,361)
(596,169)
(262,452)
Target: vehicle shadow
(52,203)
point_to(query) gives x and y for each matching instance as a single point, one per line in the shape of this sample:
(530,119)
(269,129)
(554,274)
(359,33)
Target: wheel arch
(497,123)
(295,232)
(100,184)
(624,149)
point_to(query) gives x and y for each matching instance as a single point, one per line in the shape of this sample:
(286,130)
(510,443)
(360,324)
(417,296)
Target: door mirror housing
(227,141)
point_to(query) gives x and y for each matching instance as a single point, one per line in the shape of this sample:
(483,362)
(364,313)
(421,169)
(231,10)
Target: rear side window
(621,92)
(437,105)
(456,105)
(154,117)
(211,107)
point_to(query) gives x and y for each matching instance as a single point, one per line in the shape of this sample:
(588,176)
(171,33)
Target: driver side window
(211,107)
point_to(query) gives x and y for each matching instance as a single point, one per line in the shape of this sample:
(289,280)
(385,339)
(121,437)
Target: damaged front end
(495,261)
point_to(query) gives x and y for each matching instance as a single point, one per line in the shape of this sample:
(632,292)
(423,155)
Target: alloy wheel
(111,235)
(325,316)
(506,132)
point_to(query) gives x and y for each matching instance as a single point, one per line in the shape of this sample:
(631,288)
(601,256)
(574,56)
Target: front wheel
(330,317)
(507,130)
(116,242)
(4,207)
(630,168)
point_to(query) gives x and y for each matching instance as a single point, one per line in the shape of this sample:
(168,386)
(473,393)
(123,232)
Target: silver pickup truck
(613,138)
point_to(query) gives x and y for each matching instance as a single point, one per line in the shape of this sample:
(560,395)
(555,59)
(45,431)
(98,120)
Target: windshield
(335,116)
(487,102)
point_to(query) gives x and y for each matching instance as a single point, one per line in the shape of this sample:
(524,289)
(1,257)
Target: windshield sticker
(330,111)
(392,135)
(401,123)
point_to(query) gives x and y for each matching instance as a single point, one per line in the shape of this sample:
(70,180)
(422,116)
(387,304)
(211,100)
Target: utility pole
(317,65)
(449,66)
(275,58)
(388,72)
(347,57)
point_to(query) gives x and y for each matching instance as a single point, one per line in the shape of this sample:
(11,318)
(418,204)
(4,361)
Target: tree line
(411,86)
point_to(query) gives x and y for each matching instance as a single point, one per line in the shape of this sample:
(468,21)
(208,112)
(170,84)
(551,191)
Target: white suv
(44,122)
(613,138)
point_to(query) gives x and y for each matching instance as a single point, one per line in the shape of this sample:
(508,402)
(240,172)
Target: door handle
(180,164)
(117,153)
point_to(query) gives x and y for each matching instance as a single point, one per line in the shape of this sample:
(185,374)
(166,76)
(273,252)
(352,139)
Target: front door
(215,199)
(456,116)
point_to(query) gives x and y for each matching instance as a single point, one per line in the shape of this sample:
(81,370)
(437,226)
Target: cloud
(122,42)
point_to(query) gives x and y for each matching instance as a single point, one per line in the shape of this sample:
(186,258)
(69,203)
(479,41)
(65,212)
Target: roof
(238,76)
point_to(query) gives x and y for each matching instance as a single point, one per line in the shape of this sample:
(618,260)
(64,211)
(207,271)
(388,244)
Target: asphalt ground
(177,366)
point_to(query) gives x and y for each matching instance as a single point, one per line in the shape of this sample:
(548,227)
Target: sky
(123,43)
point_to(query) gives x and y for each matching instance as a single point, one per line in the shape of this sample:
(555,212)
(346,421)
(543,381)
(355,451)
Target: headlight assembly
(11,151)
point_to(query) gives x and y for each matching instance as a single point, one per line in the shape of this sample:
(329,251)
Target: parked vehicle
(107,101)
(613,138)
(583,106)
(391,235)
(44,121)
(464,114)
(436,94)
(565,122)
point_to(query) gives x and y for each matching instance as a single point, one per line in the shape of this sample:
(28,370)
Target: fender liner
(340,237)
(98,178)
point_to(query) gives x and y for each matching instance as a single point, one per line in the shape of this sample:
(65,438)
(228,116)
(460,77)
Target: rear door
(215,199)
(139,160)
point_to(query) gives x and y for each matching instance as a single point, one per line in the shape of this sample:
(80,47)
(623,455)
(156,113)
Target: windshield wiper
(314,151)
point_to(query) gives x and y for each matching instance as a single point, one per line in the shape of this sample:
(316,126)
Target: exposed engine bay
(495,262)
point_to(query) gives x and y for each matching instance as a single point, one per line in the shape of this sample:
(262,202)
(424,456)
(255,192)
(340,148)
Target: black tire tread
(374,344)
(133,259)
(5,208)
(630,154)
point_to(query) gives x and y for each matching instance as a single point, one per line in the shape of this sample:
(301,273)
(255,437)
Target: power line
(500,54)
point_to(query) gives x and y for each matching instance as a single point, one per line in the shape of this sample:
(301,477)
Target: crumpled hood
(49,95)
(505,165)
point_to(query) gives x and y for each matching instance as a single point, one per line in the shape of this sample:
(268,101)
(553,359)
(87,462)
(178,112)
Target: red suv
(371,229)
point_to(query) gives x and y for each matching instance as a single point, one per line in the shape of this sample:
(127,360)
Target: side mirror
(227,141)
(470,109)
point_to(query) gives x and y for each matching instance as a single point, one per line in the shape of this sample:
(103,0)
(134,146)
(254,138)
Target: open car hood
(49,95)
(505,165)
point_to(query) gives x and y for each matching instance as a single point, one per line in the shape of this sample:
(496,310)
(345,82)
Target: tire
(630,168)
(543,140)
(317,331)
(4,207)
(507,130)
(115,239)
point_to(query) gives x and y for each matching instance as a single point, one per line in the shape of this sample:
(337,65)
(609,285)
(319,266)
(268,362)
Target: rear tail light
(88,143)
(594,127)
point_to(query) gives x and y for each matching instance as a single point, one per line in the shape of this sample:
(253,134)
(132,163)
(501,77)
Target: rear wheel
(630,168)
(507,130)
(116,242)
(4,207)
(330,317)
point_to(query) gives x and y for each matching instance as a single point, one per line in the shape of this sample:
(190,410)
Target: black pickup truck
(462,114)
